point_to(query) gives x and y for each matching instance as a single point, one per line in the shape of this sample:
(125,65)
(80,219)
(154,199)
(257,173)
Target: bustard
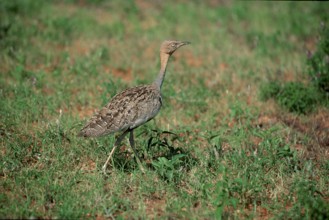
(132,107)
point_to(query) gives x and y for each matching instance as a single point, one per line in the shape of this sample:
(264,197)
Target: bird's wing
(127,110)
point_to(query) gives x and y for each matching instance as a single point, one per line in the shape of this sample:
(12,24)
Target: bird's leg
(117,143)
(132,144)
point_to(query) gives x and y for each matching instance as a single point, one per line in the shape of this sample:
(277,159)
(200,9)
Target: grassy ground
(214,151)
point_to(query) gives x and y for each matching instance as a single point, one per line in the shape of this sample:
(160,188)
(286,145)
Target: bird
(132,107)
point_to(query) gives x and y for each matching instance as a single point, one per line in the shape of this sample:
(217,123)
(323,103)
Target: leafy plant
(293,96)
(270,90)
(298,98)
(169,169)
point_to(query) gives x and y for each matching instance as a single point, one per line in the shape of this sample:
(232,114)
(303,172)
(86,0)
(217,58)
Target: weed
(170,170)
(293,96)
(298,98)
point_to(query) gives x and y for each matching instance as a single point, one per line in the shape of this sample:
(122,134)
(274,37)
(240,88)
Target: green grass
(215,150)
(293,96)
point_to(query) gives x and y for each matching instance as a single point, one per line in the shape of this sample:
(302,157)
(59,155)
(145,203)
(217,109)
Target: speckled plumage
(132,107)
(127,110)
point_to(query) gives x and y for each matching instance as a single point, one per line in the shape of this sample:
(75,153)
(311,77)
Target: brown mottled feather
(127,110)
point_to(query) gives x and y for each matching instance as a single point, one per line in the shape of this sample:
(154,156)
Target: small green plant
(221,194)
(169,169)
(298,98)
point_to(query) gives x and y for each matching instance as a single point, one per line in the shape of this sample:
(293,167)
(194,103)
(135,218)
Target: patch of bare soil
(151,51)
(85,112)
(66,9)
(155,206)
(262,213)
(289,76)
(124,74)
(103,16)
(310,44)
(192,60)
(88,165)
(79,47)
(144,5)
(315,127)
(266,120)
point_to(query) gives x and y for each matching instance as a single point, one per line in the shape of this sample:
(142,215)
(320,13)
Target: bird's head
(170,46)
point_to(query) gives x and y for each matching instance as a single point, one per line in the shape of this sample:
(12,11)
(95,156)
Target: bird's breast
(146,110)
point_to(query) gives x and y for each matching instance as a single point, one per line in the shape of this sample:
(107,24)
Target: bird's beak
(184,43)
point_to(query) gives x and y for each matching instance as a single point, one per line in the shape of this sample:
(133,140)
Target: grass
(293,96)
(215,151)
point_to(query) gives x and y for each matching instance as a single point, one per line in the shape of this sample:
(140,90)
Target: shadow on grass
(161,146)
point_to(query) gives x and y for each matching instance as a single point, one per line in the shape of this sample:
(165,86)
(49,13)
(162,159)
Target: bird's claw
(104,170)
(142,169)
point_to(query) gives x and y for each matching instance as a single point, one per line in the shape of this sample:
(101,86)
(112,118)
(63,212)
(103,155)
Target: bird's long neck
(164,57)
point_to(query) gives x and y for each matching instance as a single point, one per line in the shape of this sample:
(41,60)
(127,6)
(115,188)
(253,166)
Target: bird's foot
(104,169)
(142,169)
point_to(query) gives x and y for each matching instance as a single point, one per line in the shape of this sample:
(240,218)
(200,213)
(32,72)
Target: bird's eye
(173,45)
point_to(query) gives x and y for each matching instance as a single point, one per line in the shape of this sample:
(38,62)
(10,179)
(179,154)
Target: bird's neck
(164,57)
